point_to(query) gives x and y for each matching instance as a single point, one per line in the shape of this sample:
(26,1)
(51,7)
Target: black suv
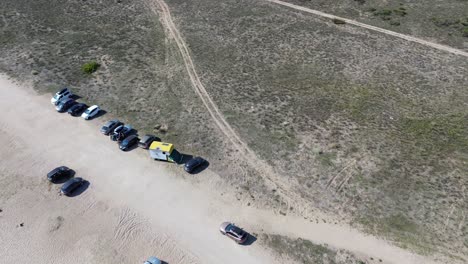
(109,127)
(194,163)
(77,109)
(61,172)
(69,186)
(128,142)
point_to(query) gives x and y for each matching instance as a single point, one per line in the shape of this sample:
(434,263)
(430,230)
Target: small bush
(338,21)
(465,32)
(395,23)
(383,12)
(90,67)
(400,12)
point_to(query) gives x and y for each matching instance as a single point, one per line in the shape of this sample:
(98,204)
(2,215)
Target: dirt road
(134,207)
(373,28)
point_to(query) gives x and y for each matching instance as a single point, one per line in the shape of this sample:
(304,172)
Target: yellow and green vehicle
(164,151)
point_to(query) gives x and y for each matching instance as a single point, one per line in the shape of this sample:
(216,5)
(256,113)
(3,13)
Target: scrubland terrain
(444,22)
(364,128)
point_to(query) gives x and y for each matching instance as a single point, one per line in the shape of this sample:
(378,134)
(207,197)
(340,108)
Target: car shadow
(250,240)
(201,168)
(80,189)
(75,97)
(65,178)
(101,113)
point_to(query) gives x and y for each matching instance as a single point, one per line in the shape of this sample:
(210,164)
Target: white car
(91,112)
(63,94)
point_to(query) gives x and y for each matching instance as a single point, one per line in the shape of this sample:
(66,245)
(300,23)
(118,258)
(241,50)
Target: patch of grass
(401,11)
(90,67)
(305,251)
(327,159)
(383,12)
(394,23)
(437,134)
(465,32)
(406,233)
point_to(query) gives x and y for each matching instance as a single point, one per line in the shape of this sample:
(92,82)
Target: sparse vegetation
(304,251)
(396,111)
(90,67)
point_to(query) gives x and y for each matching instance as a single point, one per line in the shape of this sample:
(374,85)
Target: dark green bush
(90,67)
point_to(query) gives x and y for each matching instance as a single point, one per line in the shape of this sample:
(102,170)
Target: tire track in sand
(160,8)
(380,30)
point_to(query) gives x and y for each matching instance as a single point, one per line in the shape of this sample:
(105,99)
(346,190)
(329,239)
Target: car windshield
(87,111)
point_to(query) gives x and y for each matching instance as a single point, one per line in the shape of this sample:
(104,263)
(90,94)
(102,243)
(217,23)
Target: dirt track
(373,28)
(134,206)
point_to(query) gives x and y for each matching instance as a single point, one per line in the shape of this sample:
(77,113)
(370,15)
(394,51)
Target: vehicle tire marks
(128,225)
(373,28)
(160,8)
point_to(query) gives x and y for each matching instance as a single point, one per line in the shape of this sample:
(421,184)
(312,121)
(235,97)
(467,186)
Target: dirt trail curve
(160,201)
(381,30)
(160,8)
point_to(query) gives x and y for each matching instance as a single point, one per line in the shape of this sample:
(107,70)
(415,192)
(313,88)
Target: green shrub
(465,32)
(90,67)
(338,21)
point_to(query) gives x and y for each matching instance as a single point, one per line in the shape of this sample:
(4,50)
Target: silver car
(233,232)
(153,260)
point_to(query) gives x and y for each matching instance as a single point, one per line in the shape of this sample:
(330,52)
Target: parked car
(153,260)
(60,95)
(91,112)
(76,109)
(121,132)
(233,232)
(146,141)
(72,184)
(194,163)
(64,104)
(59,172)
(128,142)
(109,127)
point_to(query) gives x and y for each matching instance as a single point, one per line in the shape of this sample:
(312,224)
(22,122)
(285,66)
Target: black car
(58,173)
(146,141)
(64,105)
(193,164)
(77,109)
(109,127)
(69,186)
(128,142)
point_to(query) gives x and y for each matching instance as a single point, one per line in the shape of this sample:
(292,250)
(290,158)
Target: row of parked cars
(127,138)
(64,102)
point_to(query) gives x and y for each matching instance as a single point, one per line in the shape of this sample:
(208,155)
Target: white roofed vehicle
(91,112)
(65,93)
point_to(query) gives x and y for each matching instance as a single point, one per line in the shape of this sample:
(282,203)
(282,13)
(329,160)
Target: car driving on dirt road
(233,232)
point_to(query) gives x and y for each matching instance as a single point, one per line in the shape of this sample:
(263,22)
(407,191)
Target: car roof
(154,260)
(92,107)
(130,137)
(70,182)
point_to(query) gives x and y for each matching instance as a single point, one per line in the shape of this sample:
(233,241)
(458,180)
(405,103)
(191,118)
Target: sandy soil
(134,207)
